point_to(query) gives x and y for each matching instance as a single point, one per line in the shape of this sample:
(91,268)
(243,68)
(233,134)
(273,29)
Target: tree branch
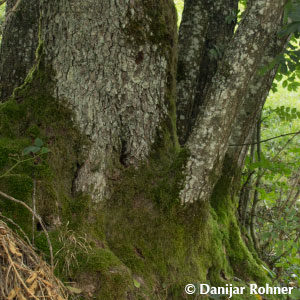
(266,140)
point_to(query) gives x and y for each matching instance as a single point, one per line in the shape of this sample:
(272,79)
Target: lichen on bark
(105,105)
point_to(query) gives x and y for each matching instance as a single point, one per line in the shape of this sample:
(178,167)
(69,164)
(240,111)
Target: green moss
(242,262)
(155,24)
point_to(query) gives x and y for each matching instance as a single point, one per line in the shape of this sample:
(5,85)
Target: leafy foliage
(278,212)
(292,18)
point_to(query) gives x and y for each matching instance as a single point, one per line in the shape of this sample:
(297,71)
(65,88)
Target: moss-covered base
(139,244)
(166,246)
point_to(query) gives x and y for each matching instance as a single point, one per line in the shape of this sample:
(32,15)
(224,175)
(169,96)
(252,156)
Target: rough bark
(19,43)
(208,141)
(114,76)
(254,101)
(112,63)
(204,31)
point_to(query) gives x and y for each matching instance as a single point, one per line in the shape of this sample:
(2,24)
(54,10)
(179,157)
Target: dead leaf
(47,282)
(33,287)
(21,296)
(31,278)
(13,249)
(12,294)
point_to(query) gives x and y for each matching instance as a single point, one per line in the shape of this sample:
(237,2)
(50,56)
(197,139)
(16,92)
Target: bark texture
(112,63)
(113,75)
(208,141)
(205,31)
(254,101)
(19,43)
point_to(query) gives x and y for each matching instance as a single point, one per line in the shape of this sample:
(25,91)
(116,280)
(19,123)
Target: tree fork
(209,139)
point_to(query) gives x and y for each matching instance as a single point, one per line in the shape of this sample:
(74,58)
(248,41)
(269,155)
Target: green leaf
(31,149)
(294,86)
(136,283)
(269,272)
(74,290)
(279,77)
(284,83)
(44,150)
(290,28)
(38,142)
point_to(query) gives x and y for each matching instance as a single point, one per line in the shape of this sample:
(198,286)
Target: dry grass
(23,274)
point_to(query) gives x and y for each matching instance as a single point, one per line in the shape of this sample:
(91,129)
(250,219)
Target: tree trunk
(104,75)
(203,36)
(209,139)
(18,45)
(101,95)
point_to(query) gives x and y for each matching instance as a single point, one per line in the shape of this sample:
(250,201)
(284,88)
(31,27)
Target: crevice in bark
(198,62)
(74,180)
(123,153)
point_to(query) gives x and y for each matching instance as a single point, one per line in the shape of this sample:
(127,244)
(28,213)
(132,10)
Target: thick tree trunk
(19,42)
(116,72)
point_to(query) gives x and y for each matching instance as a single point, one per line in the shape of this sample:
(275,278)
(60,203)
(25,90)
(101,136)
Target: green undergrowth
(20,123)
(75,232)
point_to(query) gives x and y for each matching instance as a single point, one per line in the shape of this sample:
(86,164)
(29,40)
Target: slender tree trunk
(257,186)
(209,139)
(254,100)
(203,36)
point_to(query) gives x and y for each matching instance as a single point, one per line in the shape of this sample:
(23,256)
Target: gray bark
(254,101)
(113,75)
(204,28)
(209,139)
(19,43)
